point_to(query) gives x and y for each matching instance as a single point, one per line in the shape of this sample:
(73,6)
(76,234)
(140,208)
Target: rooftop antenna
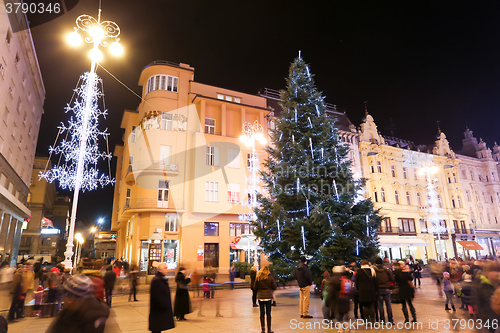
(366,108)
(439,129)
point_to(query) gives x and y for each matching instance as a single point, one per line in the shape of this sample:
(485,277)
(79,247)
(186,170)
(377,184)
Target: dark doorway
(212,254)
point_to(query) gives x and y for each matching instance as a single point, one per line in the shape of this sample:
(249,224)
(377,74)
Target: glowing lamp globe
(116,48)
(243,138)
(95,55)
(96,32)
(434,170)
(263,141)
(258,136)
(421,171)
(248,143)
(74,38)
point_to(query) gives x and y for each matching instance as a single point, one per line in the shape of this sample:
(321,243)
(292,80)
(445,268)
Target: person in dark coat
(182,305)
(253,275)
(304,281)
(4,326)
(384,280)
(264,285)
(161,317)
(417,273)
(232,275)
(82,312)
(109,283)
(338,301)
(366,285)
(134,278)
(484,291)
(402,276)
(42,276)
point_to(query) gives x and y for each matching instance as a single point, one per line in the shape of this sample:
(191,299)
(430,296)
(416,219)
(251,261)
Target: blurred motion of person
(15,311)
(232,275)
(4,326)
(212,274)
(182,305)
(487,282)
(206,286)
(195,278)
(161,317)
(38,295)
(402,276)
(253,275)
(448,291)
(264,285)
(54,284)
(42,276)
(134,281)
(82,313)
(109,284)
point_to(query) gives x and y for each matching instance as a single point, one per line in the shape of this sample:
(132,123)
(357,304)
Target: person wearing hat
(304,281)
(160,304)
(82,312)
(182,304)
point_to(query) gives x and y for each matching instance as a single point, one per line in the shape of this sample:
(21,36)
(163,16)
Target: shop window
(238,229)
(211,228)
(171,253)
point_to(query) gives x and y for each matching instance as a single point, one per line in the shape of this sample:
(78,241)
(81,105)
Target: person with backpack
(339,292)
(385,280)
(366,285)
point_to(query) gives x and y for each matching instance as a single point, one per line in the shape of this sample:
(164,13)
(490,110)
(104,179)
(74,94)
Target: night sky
(416,62)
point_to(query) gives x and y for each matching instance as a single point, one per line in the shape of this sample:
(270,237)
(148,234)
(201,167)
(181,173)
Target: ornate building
(22,95)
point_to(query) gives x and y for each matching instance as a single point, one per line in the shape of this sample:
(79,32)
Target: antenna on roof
(439,129)
(366,108)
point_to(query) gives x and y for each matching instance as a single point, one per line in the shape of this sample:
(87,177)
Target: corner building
(182,171)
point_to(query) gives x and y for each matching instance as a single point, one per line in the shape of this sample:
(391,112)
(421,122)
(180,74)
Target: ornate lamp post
(251,133)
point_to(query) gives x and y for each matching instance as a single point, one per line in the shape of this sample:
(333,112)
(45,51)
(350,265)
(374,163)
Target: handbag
(410,283)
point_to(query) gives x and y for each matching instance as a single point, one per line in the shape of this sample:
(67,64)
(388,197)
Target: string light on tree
(79,150)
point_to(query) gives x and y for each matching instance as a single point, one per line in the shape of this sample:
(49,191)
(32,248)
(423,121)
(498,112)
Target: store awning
(470,245)
(401,241)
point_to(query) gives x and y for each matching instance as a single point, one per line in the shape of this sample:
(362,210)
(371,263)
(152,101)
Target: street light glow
(96,32)
(74,38)
(116,48)
(95,55)
(100,220)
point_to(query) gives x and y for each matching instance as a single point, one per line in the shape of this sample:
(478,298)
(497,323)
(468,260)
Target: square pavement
(238,315)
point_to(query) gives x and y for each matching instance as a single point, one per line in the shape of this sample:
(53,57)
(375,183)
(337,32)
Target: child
(206,287)
(448,291)
(38,301)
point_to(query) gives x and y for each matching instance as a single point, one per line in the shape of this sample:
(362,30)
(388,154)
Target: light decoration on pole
(251,133)
(79,151)
(425,165)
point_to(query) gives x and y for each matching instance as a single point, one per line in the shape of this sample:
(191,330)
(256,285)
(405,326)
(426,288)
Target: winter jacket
(303,275)
(109,280)
(253,275)
(402,279)
(366,285)
(265,287)
(85,315)
(335,300)
(417,269)
(182,304)
(484,292)
(384,277)
(447,287)
(161,317)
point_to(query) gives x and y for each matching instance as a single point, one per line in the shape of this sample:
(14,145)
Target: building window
(405,173)
(472,217)
(165,152)
(464,174)
(382,192)
(488,217)
(408,199)
(252,160)
(128,198)
(477,196)
(440,202)
(393,170)
(467,193)
(166,121)
(209,125)
(213,156)
(419,200)
(498,197)
(229,98)
(453,203)
(162,82)
(233,192)
(211,228)
(25,241)
(396,196)
(238,229)
(460,202)
(471,175)
(2,69)
(379,167)
(492,176)
(212,191)
(46,242)
(372,168)
(132,134)
(172,222)
(233,158)
(163,187)
(415,173)
(375,196)
(407,225)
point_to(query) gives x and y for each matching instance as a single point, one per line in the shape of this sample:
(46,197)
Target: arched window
(440,202)
(396,196)
(393,170)
(382,192)
(408,198)
(419,199)
(453,203)
(460,202)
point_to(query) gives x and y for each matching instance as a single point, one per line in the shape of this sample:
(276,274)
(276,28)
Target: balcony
(144,168)
(152,205)
(384,230)
(463,231)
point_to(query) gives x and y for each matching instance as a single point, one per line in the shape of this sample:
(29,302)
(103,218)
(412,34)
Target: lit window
(229,98)
(219,96)
(408,198)
(211,228)
(163,187)
(237,100)
(172,222)
(382,192)
(233,192)
(166,121)
(209,125)
(212,156)
(162,82)
(211,191)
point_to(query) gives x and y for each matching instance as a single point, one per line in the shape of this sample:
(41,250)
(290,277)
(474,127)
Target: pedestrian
(195,278)
(54,284)
(232,275)
(488,282)
(15,311)
(417,273)
(437,274)
(134,281)
(264,285)
(355,296)
(327,313)
(406,293)
(253,275)
(466,287)
(206,286)
(109,284)
(448,291)
(212,274)
(385,279)
(42,276)
(304,281)
(82,312)
(38,295)
(339,293)
(182,304)
(366,285)
(161,317)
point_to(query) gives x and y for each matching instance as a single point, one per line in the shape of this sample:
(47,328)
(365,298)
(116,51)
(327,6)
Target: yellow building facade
(401,194)
(182,171)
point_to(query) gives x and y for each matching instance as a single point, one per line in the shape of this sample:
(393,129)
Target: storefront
(171,253)
(403,247)
(466,249)
(489,240)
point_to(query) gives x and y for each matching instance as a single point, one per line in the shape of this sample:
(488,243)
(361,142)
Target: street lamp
(98,31)
(251,133)
(433,209)
(79,241)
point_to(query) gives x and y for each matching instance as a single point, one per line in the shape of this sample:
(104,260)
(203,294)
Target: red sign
(237,239)
(200,254)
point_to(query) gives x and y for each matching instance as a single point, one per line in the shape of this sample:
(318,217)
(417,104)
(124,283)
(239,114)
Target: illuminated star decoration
(68,149)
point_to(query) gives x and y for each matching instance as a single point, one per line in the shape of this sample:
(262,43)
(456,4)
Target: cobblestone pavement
(238,315)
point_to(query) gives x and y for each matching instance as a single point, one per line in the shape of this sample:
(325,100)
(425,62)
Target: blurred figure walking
(161,317)
(182,305)
(109,284)
(232,275)
(134,281)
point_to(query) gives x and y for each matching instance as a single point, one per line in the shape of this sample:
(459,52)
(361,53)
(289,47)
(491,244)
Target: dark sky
(416,62)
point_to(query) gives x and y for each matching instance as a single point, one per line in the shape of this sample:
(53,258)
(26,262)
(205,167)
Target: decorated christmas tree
(311,205)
